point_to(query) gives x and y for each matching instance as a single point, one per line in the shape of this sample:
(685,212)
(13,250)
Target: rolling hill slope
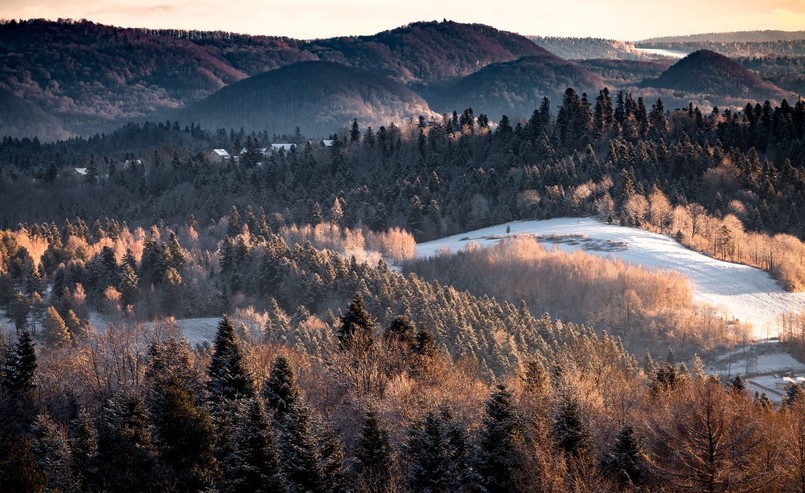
(707,72)
(318,97)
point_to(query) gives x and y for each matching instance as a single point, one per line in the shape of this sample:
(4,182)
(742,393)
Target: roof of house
(221,153)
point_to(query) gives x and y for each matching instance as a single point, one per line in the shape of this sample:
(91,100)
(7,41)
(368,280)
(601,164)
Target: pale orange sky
(619,19)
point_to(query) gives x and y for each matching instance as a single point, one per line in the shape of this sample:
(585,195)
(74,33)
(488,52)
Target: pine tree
(437,454)
(252,464)
(55,330)
(626,461)
(229,377)
(497,460)
(373,456)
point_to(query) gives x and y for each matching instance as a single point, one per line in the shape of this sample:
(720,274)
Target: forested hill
(22,118)
(516,88)
(317,97)
(427,52)
(708,72)
(731,37)
(95,77)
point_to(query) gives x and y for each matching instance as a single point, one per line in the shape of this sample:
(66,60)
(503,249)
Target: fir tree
(373,456)
(229,377)
(497,460)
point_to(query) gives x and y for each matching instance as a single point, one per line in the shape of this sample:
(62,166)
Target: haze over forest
(397,261)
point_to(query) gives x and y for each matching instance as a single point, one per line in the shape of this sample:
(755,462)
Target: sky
(307,19)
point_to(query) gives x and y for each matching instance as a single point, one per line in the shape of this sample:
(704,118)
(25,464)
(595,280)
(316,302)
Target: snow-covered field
(738,291)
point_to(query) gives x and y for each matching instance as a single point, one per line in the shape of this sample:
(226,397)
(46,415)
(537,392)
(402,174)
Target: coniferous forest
(179,322)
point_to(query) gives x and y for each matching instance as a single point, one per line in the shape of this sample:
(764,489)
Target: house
(218,156)
(262,151)
(284,147)
(81,171)
(327,142)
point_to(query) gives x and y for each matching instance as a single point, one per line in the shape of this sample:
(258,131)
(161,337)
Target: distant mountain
(317,97)
(731,37)
(707,72)
(516,88)
(94,77)
(427,52)
(21,118)
(590,48)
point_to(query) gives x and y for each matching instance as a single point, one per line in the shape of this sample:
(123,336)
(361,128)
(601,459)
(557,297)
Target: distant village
(222,155)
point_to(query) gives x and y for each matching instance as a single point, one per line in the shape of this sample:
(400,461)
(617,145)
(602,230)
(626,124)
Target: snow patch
(738,291)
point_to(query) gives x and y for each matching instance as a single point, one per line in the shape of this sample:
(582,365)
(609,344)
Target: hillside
(427,52)
(589,48)
(621,73)
(94,77)
(24,119)
(707,72)
(731,37)
(516,88)
(318,97)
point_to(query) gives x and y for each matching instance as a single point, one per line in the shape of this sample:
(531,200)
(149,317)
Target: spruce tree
(55,330)
(125,446)
(280,390)
(52,451)
(374,455)
(84,447)
(571,434)
(182,434)
(497,460)
(20,366)
(357,326)
(229,377)
(437,454)
(625,461)
(252,464)
(330,458)
(298,450)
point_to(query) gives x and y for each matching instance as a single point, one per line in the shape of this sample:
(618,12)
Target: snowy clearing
(738,291)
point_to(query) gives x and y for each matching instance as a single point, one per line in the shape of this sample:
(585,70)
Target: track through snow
(737,291)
